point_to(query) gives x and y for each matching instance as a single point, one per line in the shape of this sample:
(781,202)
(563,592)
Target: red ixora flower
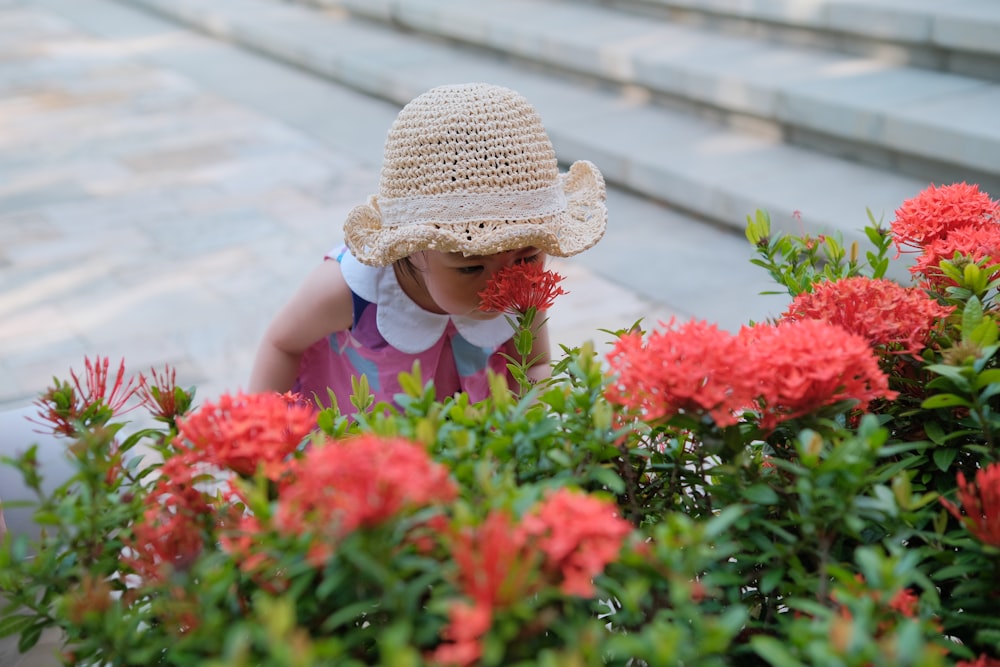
(241,431)
(520,287)
(496,567)
(161,395)
(169,535)
(802,366)
(579,535)
(892,318)
(981,501)
(90,400)
(567,539)
(463,646)
(936,211)
(340,486)
(905,602)
(687,368)
(974,242)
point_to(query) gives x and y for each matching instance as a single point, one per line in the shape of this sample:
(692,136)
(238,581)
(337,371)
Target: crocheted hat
(469,168)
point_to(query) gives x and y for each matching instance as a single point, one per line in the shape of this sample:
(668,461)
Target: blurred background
(171,169)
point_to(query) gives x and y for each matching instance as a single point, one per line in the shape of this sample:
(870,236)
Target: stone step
(958,36)
(716,172)
(934,125)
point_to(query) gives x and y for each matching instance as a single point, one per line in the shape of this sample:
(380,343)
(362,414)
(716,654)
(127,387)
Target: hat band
(473,206)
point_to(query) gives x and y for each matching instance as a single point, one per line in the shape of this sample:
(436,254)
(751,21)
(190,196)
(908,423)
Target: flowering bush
(820,489)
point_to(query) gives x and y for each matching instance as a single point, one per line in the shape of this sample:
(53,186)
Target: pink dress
(389,333)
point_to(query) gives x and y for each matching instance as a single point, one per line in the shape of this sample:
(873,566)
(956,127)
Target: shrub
(821,489)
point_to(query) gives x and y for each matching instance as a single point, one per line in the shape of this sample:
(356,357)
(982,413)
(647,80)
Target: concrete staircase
(812,109)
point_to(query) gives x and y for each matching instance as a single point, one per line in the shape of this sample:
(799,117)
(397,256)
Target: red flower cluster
(689,368)
(937,211)
(579,535)
(496,567)
(161,395)
(239,539)
(905,602)
(572,535)
(784,371)
(467,623)
(892,318)
(981,501)
(169,537)
(243,431)
(520,287)
(96,381)
(87,401)
(802,366)
(338,487)
(975,242)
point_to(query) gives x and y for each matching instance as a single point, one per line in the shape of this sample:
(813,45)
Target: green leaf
(934,432)
(771,579)
(874,235)
(30,637)
(760,494)
(722,521)
(15,624)
(609,479)
(973,276)
(972,314)
(990,391)
(955,571)
(943,457)
(774,652)
(759,227)
(985,333)
(944,401)
(957,374)
(988,636)
(991,376)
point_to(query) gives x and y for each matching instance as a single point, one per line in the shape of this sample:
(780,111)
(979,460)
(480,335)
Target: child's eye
(470,270)
(529,259)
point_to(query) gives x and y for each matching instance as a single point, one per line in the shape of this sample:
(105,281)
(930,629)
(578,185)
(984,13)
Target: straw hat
(469,168)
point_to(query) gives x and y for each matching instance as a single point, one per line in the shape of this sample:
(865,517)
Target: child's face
(453,281)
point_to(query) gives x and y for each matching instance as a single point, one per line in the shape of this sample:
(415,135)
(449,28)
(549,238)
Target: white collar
(404,324)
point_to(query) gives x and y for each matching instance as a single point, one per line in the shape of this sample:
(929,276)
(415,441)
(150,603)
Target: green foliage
(821,542)
(796,262)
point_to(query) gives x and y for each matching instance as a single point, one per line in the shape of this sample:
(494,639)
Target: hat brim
(577,228)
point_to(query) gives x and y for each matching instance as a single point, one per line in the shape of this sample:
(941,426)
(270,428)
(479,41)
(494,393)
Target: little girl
(469,185)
